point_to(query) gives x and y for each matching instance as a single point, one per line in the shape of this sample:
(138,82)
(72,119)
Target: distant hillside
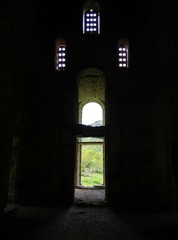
(96,124)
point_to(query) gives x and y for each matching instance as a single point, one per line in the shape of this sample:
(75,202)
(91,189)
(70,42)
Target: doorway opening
(90,159)
(90,171)
(90,162)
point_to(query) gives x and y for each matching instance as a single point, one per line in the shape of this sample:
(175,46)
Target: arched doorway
(90,145)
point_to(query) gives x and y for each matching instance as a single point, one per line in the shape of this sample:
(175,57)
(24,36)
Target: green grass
(92,179)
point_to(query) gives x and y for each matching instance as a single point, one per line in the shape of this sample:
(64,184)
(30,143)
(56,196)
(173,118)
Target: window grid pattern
(123,56)
(91,21)
(61,58)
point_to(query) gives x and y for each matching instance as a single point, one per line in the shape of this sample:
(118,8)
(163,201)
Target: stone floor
(86,222)
(89,196)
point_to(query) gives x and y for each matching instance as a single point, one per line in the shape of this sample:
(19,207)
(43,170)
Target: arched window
(92,114)
(91,17)
(123,53)
(60,54)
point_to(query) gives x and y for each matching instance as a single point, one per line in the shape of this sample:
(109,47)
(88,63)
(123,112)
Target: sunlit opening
(61,53)
(92,114)
(123,56)
(91,21)
(91,162)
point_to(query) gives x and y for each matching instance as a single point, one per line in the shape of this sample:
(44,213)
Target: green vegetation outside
(92,165)
(92,179)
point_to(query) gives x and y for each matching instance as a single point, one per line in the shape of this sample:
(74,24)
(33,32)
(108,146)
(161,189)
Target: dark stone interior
(39,105)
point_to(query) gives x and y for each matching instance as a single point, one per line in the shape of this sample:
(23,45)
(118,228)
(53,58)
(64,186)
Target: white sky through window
(91,113)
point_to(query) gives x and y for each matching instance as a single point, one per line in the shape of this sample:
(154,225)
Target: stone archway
(90,88)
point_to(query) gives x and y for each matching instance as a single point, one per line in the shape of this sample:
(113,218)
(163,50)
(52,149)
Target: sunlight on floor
(90,196)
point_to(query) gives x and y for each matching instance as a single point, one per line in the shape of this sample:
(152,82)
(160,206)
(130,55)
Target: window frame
(60,43)
(123,53)
(88,7)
